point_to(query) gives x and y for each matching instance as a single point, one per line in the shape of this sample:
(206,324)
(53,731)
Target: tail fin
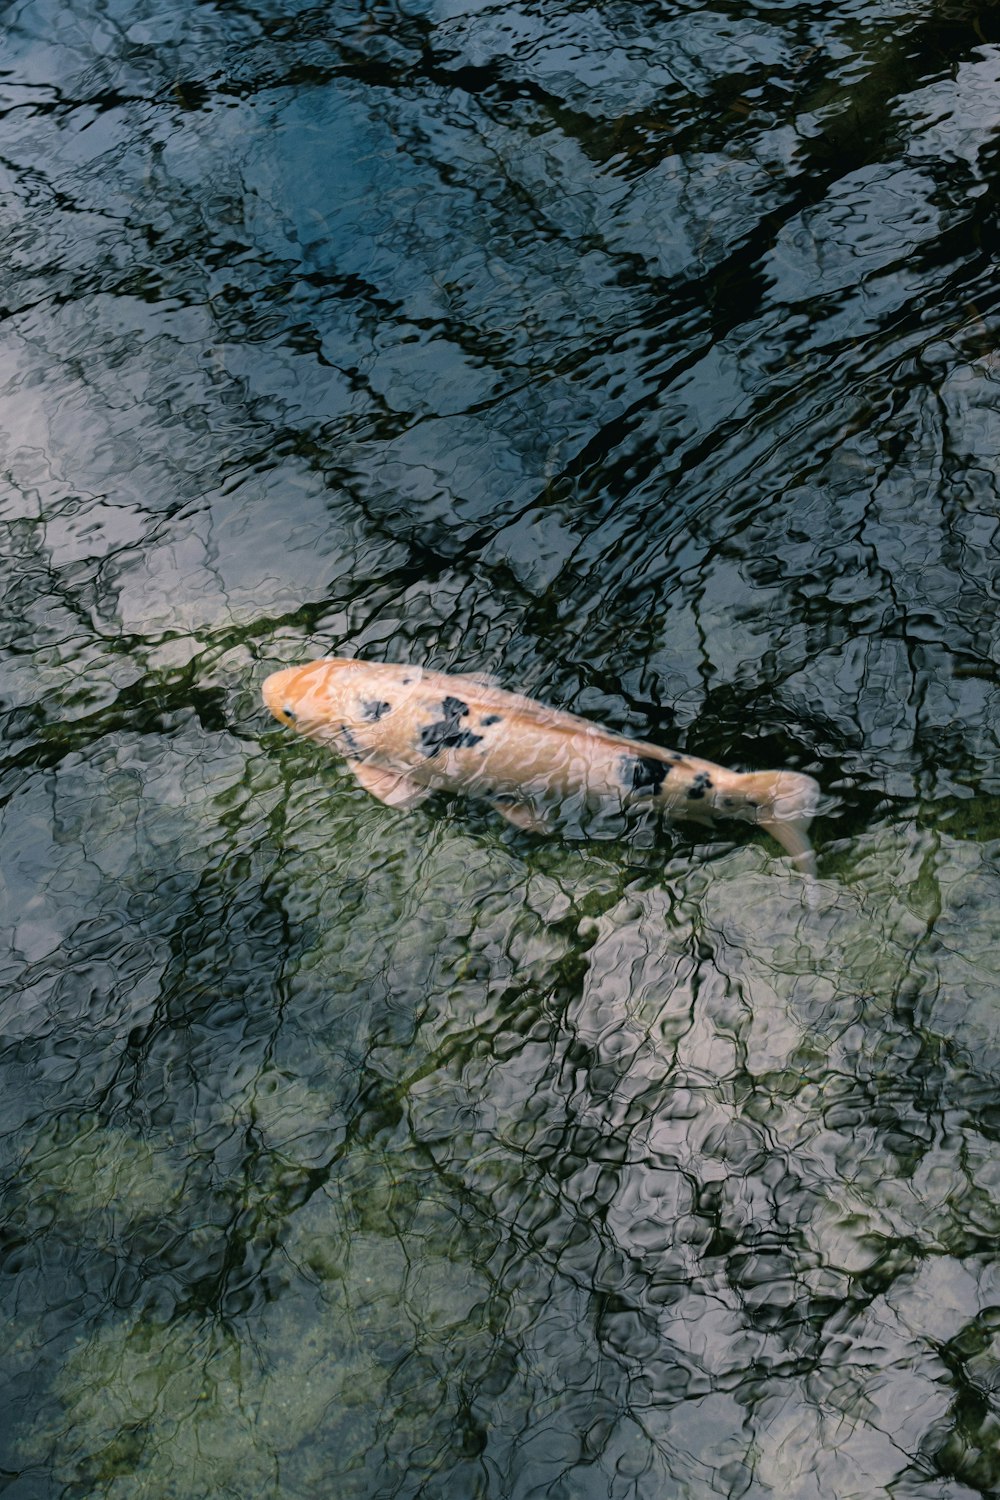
(786,805)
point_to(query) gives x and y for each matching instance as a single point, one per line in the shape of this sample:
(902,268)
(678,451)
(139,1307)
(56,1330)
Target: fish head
(309,697)
(339,700)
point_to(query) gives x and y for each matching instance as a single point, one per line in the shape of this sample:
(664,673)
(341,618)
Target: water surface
(644,355)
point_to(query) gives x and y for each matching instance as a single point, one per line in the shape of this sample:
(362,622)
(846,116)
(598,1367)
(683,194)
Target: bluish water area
(644,355)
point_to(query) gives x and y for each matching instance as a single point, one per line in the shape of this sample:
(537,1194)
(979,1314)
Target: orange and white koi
(406,733)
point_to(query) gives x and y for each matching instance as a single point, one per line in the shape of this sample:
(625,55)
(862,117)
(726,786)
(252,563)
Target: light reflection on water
(645,356)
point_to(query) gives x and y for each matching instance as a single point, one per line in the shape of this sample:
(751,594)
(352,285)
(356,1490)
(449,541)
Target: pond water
(644,355)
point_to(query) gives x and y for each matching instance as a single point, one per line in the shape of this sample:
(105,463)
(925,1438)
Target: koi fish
(406,733)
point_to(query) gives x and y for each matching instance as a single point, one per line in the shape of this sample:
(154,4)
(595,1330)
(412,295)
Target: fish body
(406,732)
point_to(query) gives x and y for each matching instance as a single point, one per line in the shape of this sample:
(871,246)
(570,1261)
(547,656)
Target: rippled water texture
(645,355)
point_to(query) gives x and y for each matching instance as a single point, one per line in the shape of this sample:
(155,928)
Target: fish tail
(786,805)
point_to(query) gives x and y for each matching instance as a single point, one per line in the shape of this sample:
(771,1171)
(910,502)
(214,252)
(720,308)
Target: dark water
(646,355)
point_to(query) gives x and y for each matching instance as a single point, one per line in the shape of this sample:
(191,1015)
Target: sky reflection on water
(645,355)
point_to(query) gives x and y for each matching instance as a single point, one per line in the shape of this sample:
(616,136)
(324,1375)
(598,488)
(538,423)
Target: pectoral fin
(523,815)
(390,787)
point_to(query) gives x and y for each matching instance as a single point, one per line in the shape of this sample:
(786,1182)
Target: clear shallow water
(642,355)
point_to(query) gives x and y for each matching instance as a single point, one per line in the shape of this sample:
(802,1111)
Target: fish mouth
(280,691)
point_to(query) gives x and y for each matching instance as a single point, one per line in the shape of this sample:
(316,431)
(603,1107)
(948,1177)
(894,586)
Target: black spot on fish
(447,733)
(643,774)
(729,801)
(372,709)
(491,719)
(290,713)
(701,784)
(349,739)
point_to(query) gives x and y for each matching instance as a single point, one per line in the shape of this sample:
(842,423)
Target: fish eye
(289,713)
